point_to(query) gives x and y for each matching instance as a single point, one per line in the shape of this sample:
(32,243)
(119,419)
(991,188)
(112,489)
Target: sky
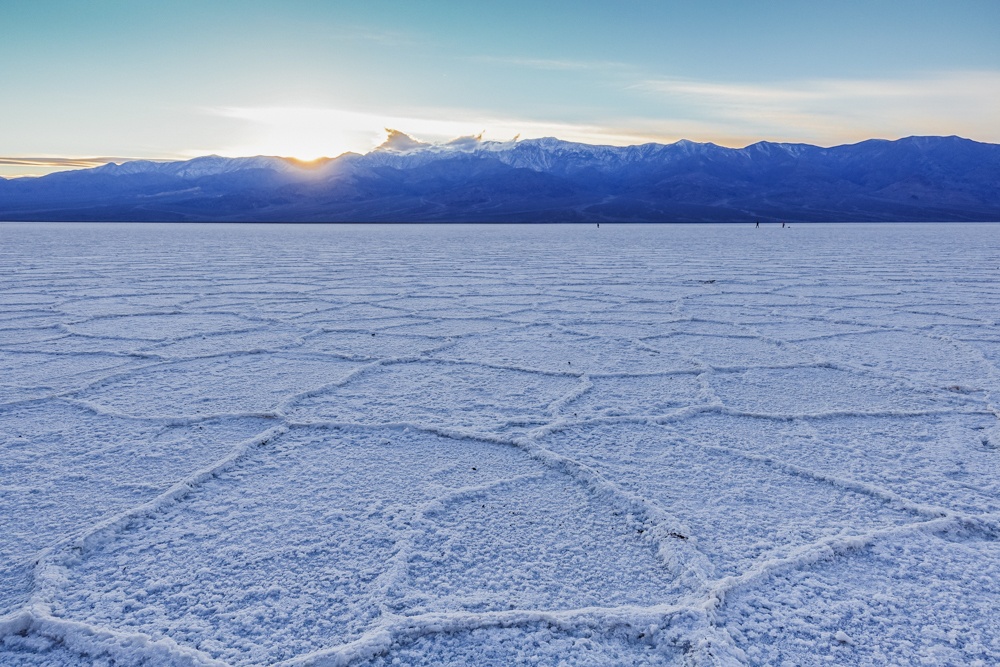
(84,82)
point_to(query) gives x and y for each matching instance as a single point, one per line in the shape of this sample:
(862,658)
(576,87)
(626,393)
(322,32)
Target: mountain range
(538,180)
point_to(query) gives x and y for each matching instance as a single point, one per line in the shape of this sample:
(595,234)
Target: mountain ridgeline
(539,180)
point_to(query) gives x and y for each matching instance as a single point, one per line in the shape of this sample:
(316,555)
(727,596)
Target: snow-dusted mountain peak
(469,179)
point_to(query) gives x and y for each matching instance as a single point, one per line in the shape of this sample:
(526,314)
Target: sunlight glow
(308,133)
(301,133)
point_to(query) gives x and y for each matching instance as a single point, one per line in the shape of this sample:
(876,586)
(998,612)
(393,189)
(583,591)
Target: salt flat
(499,445)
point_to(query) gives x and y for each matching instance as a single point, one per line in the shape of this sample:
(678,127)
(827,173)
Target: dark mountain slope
(917,178)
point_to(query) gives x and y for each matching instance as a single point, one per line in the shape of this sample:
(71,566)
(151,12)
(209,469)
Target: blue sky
(135,78)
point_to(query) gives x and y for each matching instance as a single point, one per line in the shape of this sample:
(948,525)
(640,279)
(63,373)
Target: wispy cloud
(61,162)
(553,64)
(837,110)
(376,35)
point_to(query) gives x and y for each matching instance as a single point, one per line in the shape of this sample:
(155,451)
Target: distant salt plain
(499,445)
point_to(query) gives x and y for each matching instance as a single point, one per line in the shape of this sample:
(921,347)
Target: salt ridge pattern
(449,445)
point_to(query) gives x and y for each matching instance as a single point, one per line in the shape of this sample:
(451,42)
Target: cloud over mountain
(400,142)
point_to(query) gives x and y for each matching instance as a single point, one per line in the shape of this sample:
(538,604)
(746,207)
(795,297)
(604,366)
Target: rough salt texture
(538,445)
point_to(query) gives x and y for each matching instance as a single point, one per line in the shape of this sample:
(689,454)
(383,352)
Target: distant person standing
(782,225)
(758,225)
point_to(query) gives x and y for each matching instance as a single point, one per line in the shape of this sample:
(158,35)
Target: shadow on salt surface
(30,320)
(261,285)
(365,345)
(820,288)
(357,315)
(16,582)
(502,647)
(584,303)
(59,342)
(742,316)
(434,305)
(651,325)
(740,511)
(619,329)
(25,338)
(63,468)
(281,307)
(640,395)
(542,543)
(553,350)
(938,459)
(440,394)
(751,297)
(161,326)
(805,391)
(655,296)
(907,601)
(729,351)
(920,359)
(14,299)
(946,460)
(794,329)
(35,651)
(387,324)
(464,326)
(248,383)
(916,315)
(116,306)
(295,549)
(270,338)
(971,332)
(506,302)
(990,349)
(31,374)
